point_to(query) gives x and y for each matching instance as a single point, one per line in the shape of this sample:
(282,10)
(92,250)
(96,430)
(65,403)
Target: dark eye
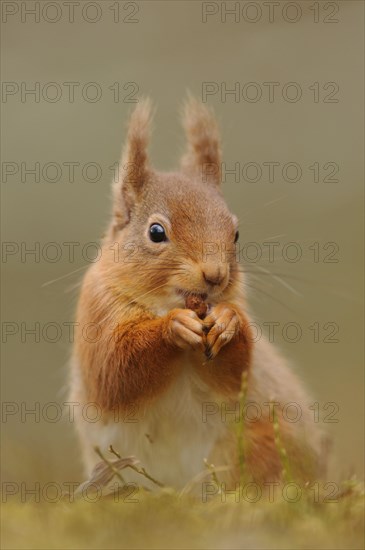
(237,236)
(157,233)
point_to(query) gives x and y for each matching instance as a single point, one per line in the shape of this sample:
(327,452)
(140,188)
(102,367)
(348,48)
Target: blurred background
(294,128)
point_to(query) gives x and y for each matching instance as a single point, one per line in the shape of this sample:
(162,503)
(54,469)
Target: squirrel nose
(213,274)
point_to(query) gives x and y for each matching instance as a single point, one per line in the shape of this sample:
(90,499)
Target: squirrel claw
(208,352)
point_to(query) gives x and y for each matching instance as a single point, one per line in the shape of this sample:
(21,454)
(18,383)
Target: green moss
(167,520)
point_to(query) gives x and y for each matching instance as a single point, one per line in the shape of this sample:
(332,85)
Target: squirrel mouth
(189,293)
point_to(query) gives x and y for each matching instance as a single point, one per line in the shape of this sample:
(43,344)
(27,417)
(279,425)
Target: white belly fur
(177,441)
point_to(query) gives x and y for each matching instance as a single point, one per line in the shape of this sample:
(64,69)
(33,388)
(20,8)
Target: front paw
(184,329)
(221,325)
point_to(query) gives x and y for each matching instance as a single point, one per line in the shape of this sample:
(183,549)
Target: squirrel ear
(203,156)
(134,167)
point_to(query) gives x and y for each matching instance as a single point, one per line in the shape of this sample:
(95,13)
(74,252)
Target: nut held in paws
(197,304)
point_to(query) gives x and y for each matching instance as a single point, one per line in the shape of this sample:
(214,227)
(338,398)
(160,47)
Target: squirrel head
(172,234)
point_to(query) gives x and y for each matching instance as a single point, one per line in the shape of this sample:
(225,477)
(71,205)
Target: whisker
(274,201)
(275,236)
(280,280)
(157,268)
(145,294)
(270,203)
(64,276)
(267,272)
(270,296)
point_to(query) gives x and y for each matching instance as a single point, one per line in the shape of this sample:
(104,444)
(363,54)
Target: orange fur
(146,342)
(203,156)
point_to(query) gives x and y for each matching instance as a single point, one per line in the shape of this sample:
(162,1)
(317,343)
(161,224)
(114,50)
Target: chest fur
(171,437)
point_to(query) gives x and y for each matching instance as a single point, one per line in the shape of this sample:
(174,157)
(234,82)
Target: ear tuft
(134,166)
(203,156)
(134,158)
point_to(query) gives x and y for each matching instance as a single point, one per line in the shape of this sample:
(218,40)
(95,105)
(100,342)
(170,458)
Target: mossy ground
(166,519)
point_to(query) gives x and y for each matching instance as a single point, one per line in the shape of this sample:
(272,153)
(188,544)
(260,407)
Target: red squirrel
(165,373)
